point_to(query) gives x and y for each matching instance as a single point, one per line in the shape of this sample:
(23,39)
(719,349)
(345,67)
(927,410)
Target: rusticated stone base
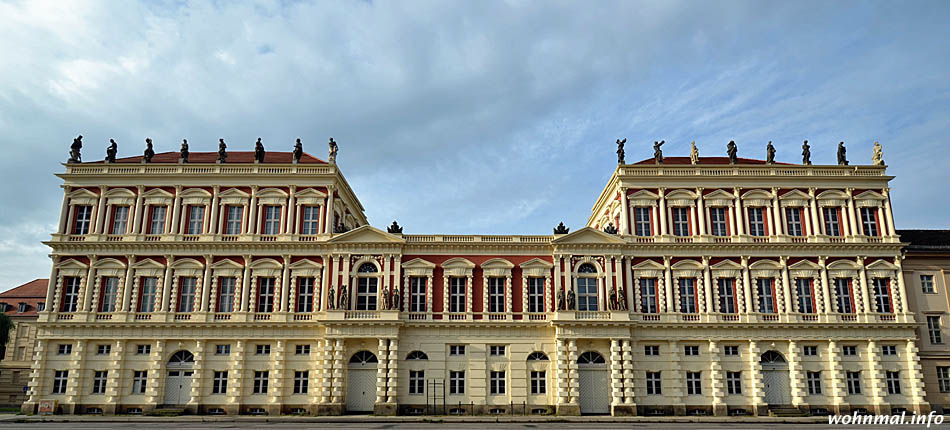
(329,409)
(569,409)
(624,410)
(386,409)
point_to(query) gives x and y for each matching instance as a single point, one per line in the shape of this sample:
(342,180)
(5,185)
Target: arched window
(587,288)
(363,357)
(417,355)
(772,357)
(181,358)
(591,357)
(367,287)
(537,356)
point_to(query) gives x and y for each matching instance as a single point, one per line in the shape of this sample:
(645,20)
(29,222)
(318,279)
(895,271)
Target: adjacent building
(256,285)
(22,304)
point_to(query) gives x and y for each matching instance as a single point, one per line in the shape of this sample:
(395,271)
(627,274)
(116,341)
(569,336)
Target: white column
(252,212)
(90,286)
(901,287)
(64,211)
(51,287)
(786,286)
(701,212)
(778,224)
(329,221)
(245,284)
(101,210)
(166,289)
(795,374)
(862,275)
(662,212)
(888,214)
(206,284)
(177,213)
(290,220)
(137,218)
(816,220)
(855,227)
(285,285)
(213,218)
(707,286)
(747,286)
(127,289)
(557,281)
(740,224)
(625,215)
(668,283)
(825,287)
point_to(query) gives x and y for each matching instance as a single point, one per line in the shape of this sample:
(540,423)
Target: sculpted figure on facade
(806,154)
(560,301)
(343,299)
(397,298)
(622,300)
(258,151)
(842,154)
(149,152)
(610,229)
(75,150)
(333,150)
(769,153)
(394,228)
(111,150)
(222,151)
(298,151)
(614,305)
(183,152)
(331,298)
(877,158)
(657,152)
(561,229)
(732,150)
(570,300)
(693,153)
(620,153)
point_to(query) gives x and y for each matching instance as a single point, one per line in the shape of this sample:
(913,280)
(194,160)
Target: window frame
(187,298)
(195,222)
(719,221)
(458,287)
(689,296)
(120,223)
(261,382)
(813,382)
(456,382)
(234,220)
(496,382)
(305,294)
(844,289)
(310,220)
(694,383)
(82,219)
(681,221)
(100,379)
(538,382)
(728,297)
(301,381)
(219,382)
(934,329)
(643,228)
(496,294)
(139,381)
(649,297)
(734,383)
(270,222)
(416,382)
(927,284)
(109,294)
(805,292)
(227,290)
(853,380)
(536,288)
(654,383)
(757,223)
(266,291)
(417,294)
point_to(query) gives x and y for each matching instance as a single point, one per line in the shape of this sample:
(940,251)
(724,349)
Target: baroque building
(22,304)
(257,286)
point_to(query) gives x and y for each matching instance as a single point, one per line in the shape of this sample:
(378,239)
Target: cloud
(469,117)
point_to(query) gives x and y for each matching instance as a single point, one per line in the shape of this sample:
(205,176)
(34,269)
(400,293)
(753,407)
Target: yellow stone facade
(726,289)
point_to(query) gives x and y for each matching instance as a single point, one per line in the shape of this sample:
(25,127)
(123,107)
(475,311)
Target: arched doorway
(178,378)
(592,378)
(361,382)
(775,378)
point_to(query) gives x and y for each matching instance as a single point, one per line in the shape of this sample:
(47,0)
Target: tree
(6,324)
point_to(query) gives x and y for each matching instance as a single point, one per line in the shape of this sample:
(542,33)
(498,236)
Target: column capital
(735,191)
(886,191)
(745,261)
(661,191)
(140,188)
(811,191)
(783,259)
(216,188)
(254,188)
(178,189)
(706,262)
(774,191)
(821,261)
(169,258)
(699,190)
(860,260)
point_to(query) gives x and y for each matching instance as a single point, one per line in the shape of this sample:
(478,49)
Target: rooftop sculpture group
(732,150)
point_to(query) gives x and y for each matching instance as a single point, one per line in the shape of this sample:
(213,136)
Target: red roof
(31,293)
(274,157)
(706,160)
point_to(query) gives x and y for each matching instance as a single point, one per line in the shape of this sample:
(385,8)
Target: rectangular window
(271,219)
(718,221)
(81,219)
(302,350)
(157,220)
(854,382)
(366,290)
(844,295)
(456,349)
(648,296)
(933,328)
(832,221)
(587,293)
(814,382)
(927,284)
(70,294)
(888,350)
(305,294)
(732,350)
(310,220)
(535,294)
(765,287)
(727,295)
(417,381)
(143,349)
(538,382)
(694,385)
(262,349)
(457,294)
(496,382)
(301,381)
(687,295)
(186,294)
(654,383)
(226,294)
(60,377)
(222,349)
(99,379)
(496,350)
(882,295)
(806,295)
(734,382)
(110,288)
(196,219)
(943,378)
(103,349)
(65,349)
(496,295)
(139,381)
(260,381)
(810,350)
(756,221)
(869,221)
(265,295)
(680,221)
(233,222)
(457,382)
(691,350)
(120,220)
(651,350)
(793,218)
(417,294)
(893,382)
(641,221)
(147,295)
(219,383)
(849,350)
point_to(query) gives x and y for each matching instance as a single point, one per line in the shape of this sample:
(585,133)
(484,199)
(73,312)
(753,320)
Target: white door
(777,389)
(178,387)
(594,391)
(360,390)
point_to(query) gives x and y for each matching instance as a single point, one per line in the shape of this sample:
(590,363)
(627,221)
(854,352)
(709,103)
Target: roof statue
(657,152)
(561,229)
(183,157)
(222,151)
(693,153)
(111,150)
(620,152)
(333,150)
(842,154)
(258,151)
(731,150)
(149,152)
(394,229)
(610,229)
(298,151)
(75,149)
(877,158)
(769,153)
(806,154)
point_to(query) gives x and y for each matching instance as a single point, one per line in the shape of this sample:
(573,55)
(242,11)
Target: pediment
(266,262)
(803,265)
(726,265)
(588,235)
(869,195)
(227,263)
(195,192)
(497,263)
(766,264)
(309,192)
(157,192)
(833,195)
(719,195)
(843,264)
(187,262)
(148,263)
(457,262)
(881,265)
(418,263)
(366,234)
(109,263)
(648,265)
(794,195)
(687,264)
(643,195)
(234,192)
(306,263)
(536,263)
(757,194)
(681,194)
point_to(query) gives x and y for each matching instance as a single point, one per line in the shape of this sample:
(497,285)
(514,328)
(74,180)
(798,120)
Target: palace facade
(258,286)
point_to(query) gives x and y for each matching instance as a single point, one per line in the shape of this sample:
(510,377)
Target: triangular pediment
(720,195)
(587,235)
(366,234)
(536,263)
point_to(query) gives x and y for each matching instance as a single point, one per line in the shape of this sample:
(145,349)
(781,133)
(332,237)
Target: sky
(469,117)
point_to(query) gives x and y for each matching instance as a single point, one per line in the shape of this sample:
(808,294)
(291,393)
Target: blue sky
(470,117)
